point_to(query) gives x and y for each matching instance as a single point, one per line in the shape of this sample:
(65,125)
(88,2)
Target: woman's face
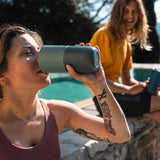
(130,15)
(23,69)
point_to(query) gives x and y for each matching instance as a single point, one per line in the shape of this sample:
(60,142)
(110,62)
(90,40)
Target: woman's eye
(135,12)
(29,53)
(125,12)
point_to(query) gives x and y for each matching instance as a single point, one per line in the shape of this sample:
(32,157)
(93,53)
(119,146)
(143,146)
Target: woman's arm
(113,127)
(127,79)
(128,86)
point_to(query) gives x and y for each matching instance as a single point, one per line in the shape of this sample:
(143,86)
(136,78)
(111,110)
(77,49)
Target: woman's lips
(39,71)
(42,72)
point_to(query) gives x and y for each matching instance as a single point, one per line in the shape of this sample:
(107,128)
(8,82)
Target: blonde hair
(140,30)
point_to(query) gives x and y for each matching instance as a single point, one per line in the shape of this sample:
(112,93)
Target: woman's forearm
(114,119)
(117,87)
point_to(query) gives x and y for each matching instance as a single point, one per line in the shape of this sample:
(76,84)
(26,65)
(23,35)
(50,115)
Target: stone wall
(143,145)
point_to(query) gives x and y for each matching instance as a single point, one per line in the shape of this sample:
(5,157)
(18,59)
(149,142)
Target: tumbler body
(54,58)
(154,81)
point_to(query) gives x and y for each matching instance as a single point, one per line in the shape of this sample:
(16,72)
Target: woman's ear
(3,81)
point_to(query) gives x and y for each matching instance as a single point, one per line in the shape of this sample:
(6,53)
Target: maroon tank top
(47,149)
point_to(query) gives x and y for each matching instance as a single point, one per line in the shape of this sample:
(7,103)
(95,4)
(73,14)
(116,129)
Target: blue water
(141,74)
(64,87)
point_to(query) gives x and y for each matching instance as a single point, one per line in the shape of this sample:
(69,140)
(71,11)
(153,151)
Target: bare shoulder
(63,112)
(60,105)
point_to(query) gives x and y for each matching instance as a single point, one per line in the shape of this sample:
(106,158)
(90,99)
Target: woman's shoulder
(57,104)
(104,31)
(62,110)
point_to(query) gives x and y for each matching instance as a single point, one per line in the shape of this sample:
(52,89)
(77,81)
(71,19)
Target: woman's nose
(36,56)
(130,14)
(37,50)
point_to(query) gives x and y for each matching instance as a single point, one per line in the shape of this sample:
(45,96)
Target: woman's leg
(155,103)
(154,109)
(155,116)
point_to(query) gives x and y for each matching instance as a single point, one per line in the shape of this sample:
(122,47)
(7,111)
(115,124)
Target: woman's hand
(91,79)
(136,88)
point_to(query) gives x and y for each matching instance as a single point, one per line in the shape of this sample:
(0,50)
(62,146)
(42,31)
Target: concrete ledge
(146,65)
(84,103)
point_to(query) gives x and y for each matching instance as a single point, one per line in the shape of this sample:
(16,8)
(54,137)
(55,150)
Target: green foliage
(58,21)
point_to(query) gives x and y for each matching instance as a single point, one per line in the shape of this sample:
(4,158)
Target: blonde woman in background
(127,25)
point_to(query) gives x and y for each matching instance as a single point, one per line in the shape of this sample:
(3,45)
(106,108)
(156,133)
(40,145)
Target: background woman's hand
(136,88)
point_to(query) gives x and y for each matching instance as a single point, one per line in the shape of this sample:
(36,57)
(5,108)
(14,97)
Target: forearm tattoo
(103,95)
(90,135)
(106,112)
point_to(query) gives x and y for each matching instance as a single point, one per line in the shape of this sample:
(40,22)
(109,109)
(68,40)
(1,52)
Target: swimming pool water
(64,87)
(141,74)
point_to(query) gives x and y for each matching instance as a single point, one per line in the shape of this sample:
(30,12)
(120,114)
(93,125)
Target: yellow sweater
(115,55)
